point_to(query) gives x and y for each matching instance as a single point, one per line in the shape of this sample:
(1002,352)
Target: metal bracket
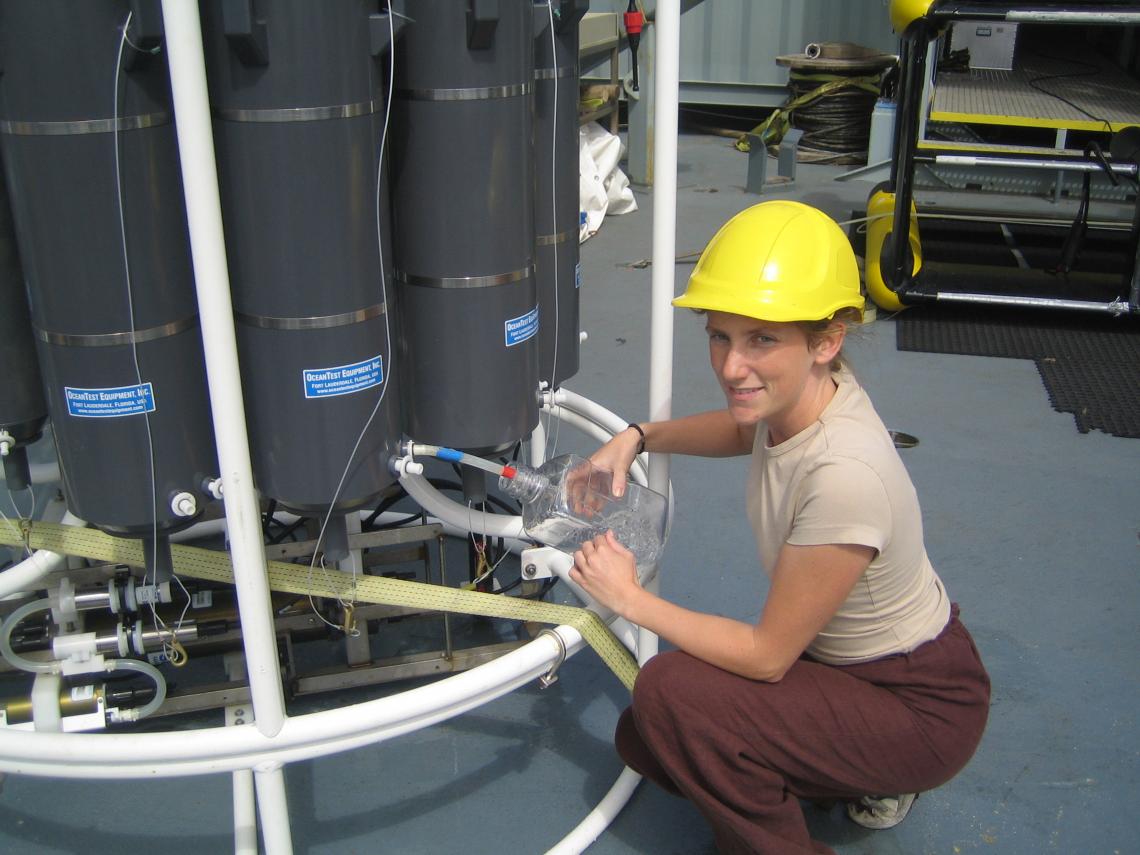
(757,180)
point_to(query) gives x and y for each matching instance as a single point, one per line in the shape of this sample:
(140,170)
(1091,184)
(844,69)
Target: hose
(13,658)
(453,456)
(147,670)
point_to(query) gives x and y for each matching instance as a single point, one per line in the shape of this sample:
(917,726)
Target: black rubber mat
(1090,364)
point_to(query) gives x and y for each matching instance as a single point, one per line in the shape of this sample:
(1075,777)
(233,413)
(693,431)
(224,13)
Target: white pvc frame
(274,739)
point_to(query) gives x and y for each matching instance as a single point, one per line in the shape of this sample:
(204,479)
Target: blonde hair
(815,331)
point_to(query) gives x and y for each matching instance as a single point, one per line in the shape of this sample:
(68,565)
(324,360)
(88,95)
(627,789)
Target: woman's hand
(607,571)
(617,456)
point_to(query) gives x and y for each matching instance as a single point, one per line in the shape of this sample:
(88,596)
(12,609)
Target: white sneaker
(881,812)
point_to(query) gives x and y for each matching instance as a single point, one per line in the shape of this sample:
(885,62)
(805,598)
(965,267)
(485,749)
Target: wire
(836,124)
(387,322)
(11,498)
(1091,71)
(159,624)
(549,449)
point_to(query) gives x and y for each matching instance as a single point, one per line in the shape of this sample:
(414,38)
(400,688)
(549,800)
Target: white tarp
(602,187)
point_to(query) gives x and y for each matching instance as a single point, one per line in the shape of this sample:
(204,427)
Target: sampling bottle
(569,500)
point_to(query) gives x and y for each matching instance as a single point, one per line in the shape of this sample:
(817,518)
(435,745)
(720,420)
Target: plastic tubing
(26,575)
(10,656)
(147,670)
(450,454)
(227,749)
(460,516)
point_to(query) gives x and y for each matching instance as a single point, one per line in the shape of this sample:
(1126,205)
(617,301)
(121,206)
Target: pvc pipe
(147,670)
(599,819)
(273,809)
(208,249)
(26,575)
(538,445)
(667,33)
(226,749)
(453,513)
(245,813)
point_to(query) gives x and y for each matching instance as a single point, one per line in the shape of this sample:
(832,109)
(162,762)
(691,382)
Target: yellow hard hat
(776,261)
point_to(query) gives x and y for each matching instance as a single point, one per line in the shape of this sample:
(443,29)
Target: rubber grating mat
(1090,365)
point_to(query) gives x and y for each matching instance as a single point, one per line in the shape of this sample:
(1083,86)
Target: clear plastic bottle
(569,500)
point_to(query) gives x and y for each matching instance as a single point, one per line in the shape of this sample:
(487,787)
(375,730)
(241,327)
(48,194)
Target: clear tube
(148,670)
(13,658)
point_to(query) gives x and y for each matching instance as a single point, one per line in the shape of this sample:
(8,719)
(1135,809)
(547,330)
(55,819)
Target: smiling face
(771,371)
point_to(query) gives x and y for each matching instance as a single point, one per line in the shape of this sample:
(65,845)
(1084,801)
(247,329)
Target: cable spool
(832,87)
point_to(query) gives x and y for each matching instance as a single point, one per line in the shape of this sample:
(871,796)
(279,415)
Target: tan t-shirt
(841,481)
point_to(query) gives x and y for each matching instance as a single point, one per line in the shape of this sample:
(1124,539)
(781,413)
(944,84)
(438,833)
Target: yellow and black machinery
(1105,149)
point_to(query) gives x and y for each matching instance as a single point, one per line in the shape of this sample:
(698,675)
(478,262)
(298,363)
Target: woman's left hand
(607,571)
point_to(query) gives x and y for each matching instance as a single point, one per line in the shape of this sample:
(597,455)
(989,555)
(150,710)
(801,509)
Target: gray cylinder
(23,410)
(556,187)
(299,97)
(463,197)
(110,283)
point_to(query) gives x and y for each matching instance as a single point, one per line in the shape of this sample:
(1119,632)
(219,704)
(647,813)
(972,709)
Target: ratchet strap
(215,566)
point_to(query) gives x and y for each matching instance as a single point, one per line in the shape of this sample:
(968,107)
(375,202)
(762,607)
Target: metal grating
(1031,96)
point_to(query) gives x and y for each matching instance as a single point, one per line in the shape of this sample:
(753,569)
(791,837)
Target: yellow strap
(296,579)
(772,129)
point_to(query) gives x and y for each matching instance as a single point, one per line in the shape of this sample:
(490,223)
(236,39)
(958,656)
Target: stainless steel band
(561,237)
(482,93)
(302,114)
(119,338)
(83,126)
(465,281)
(552,73)
(316,322)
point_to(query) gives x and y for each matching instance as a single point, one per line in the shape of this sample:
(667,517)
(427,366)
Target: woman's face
(767,371)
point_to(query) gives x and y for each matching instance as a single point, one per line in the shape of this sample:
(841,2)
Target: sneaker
(881,812)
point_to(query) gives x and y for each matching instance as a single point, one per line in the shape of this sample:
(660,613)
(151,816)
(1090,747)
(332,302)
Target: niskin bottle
(568,500)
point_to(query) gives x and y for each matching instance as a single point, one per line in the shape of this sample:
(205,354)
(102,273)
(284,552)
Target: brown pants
(744,751)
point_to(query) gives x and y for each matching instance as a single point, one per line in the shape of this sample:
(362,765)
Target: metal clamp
(551,677)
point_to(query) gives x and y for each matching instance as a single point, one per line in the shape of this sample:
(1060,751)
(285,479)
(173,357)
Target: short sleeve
(843,500)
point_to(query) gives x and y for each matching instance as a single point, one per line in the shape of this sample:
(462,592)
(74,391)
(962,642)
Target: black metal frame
(897,263)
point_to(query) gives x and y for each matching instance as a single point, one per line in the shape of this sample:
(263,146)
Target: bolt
(530,571)
(184,505)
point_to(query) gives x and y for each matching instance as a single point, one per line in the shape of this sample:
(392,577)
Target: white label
(344,379)
(109,403)
(517,330)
